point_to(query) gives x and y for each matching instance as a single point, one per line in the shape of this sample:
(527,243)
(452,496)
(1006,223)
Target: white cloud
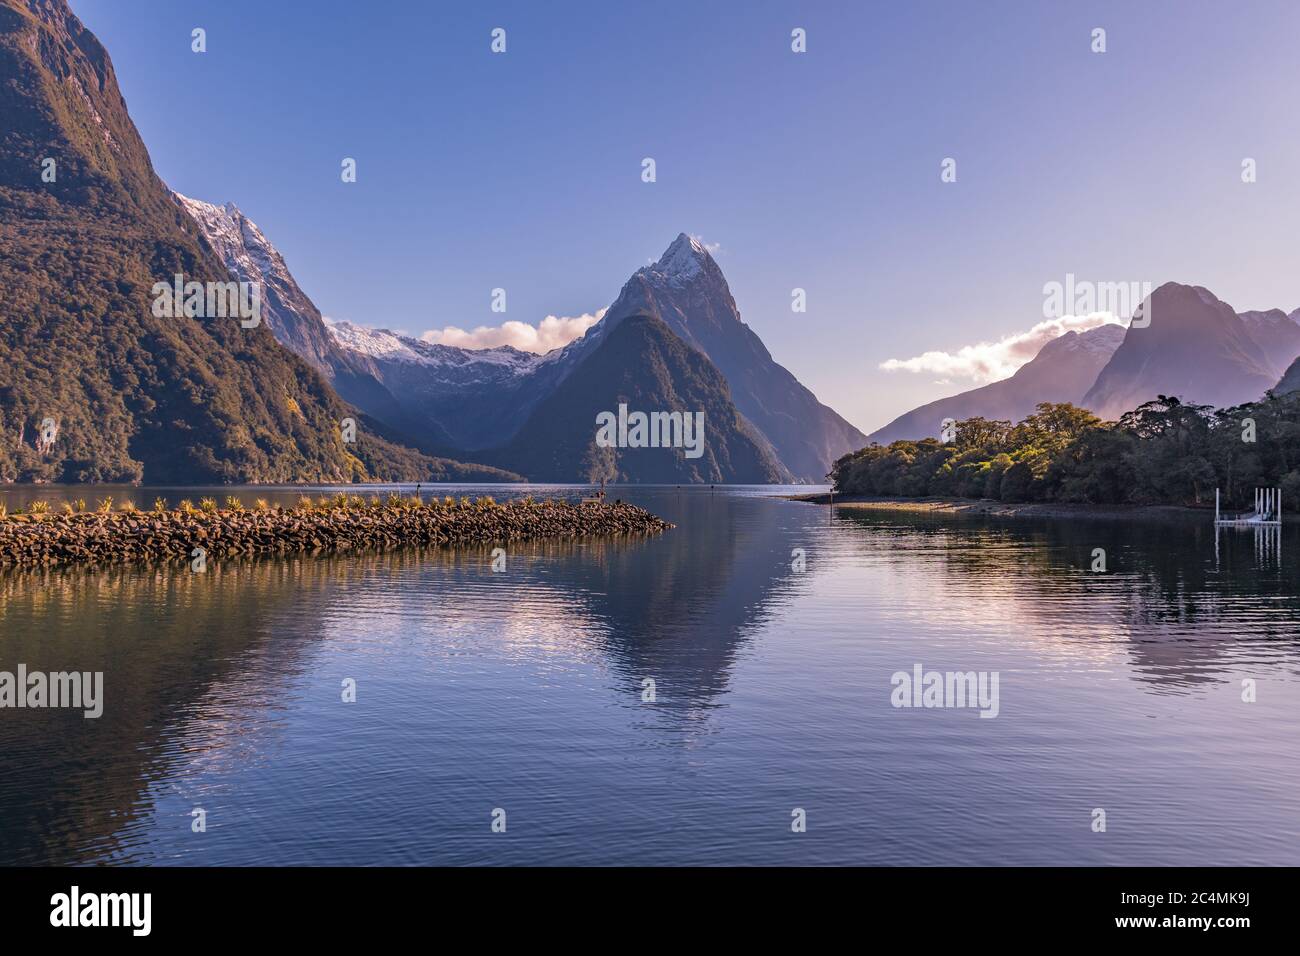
(993,361)
(552,332)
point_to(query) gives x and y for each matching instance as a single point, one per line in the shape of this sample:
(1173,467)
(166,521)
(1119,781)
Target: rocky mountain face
(1062,371)
(86,231)
(1195,347)
(298,325)
(286,309)
(642,365)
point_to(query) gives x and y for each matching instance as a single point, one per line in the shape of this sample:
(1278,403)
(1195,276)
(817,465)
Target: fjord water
(522,690)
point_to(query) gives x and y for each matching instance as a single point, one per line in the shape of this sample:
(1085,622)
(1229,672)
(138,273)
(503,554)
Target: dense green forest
(86,230)
(1163,452)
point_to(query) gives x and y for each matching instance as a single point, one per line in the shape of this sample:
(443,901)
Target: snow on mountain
(680,263)
(687,290)
(395,347)
(466,398)
(249,255)
(376,343)
(238,241)
(452,398)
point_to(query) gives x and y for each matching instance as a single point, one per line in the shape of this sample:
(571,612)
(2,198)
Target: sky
(818,170)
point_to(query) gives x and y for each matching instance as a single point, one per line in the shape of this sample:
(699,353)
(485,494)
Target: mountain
(469,401)
(686,289)
(643,365)
(298,325)
(1195,347)
(86,231)
(1062,371)
(511,406)
(248,254)
(1276,333)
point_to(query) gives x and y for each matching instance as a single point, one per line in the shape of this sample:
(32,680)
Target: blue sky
(816,170)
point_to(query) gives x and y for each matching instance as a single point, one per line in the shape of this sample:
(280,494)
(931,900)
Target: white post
(1216,505)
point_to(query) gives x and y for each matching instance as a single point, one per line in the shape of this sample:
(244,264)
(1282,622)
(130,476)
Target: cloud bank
(994,361)
(552,332)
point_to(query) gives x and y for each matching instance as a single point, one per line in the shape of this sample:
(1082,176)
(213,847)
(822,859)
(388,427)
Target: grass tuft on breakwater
(75,535)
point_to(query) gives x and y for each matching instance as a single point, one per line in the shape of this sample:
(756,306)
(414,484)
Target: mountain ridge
(1247,352)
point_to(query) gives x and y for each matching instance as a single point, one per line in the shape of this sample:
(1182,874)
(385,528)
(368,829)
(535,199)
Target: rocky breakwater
(42,538)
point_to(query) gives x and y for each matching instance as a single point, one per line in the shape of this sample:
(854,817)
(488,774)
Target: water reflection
(223,688)
(1184,599)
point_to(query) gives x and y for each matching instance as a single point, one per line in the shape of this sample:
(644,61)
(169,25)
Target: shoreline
(343,524)
(989,508)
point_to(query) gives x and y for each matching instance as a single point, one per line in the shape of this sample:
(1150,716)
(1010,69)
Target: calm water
(522,690)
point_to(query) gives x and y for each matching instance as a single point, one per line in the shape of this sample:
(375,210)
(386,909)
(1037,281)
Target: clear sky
(818,170)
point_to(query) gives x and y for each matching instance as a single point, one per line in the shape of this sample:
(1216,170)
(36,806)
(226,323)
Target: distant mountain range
(87,230)
(1062,371)
(499,405)
(1195,347)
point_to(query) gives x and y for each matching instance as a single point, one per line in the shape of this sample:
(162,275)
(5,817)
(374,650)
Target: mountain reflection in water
(523,690)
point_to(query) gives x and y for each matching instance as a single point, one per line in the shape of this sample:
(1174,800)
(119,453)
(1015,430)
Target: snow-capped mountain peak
(250,257)
(681,262)
(238,241)
(376,343)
